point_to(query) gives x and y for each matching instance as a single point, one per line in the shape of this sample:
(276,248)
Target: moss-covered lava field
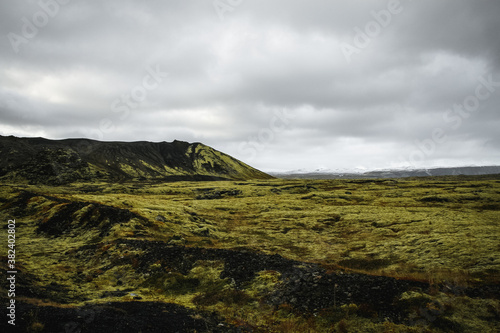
(381,255)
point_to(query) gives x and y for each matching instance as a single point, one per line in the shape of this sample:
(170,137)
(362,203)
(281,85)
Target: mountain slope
(39,160)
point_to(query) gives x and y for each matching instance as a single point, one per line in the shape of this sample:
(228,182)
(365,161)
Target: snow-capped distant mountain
(388,173)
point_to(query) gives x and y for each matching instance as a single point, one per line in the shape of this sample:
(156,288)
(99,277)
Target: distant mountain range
(395,173)
(38,160)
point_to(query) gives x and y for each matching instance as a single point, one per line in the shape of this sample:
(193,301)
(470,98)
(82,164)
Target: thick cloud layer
(281,85)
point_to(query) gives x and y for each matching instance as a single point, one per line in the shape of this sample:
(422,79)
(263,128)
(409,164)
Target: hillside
(38,160)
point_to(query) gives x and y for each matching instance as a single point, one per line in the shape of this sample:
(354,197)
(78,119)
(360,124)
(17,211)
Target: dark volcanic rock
(238,265)
(217,194)
(116,317)
(313,290)
(305,286)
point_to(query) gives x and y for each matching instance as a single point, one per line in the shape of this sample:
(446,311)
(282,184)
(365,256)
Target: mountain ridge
(40,160)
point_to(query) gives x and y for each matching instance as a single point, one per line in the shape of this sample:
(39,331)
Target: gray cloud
(84,69)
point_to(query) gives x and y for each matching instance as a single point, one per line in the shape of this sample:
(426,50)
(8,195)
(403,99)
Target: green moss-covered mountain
(38,160)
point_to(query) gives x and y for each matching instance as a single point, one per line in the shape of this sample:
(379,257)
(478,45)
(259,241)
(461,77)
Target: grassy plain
(83,244)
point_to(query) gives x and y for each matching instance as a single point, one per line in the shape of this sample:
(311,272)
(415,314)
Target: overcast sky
(281,85)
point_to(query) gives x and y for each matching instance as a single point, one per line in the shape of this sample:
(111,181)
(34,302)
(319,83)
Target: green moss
(264,283)
(443,231)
